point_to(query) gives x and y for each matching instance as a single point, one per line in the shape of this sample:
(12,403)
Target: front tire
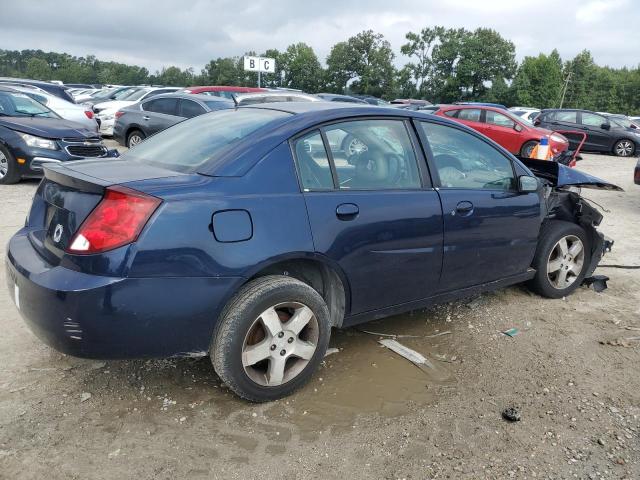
(624,148)
(561,260)
(9,173)
(527,148)
(271,337)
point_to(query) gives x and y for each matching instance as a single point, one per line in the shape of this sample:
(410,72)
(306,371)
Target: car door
(598,138)
(502,130)
(372,209)
(490,229)
(159,114)
(562,120)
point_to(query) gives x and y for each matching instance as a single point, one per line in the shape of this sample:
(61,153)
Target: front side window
(495,118)
(592,120)
(464,161)
(313,163)
(373,155)
(470,114)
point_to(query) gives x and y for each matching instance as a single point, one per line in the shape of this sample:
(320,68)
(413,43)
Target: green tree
(420,47)
(38,69)
(300,68)
(538,81)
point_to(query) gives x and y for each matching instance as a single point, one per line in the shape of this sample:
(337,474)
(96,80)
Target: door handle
(347,211)
(464,209)
(145,118)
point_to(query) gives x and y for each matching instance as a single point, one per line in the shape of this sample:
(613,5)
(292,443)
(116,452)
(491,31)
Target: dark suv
(603,135)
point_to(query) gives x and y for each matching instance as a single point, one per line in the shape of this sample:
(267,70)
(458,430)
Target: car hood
(562,176)
(47,127)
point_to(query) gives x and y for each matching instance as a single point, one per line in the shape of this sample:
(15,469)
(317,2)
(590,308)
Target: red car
(225,91)
(510,131)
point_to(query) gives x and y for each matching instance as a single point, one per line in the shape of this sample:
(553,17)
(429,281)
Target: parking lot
(367,411)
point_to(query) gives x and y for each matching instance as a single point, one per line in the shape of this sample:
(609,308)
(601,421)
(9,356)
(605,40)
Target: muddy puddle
(157,397)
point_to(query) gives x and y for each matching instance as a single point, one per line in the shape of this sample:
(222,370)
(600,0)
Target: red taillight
(88,113)
(119,113)
(116,221)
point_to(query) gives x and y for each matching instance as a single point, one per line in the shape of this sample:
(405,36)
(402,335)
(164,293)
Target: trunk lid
(69,192)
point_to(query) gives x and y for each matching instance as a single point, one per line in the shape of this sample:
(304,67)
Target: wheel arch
(132,128)
(317,271)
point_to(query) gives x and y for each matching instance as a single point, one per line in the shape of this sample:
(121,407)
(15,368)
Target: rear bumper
(107,317)
(106,126)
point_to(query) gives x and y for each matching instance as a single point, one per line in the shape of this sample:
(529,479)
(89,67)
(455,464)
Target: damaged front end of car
(563,201)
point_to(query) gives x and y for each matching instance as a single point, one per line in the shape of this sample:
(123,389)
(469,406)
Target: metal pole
(259,75)
(564,90)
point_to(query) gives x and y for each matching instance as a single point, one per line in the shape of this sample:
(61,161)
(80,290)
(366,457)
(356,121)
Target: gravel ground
(571,371)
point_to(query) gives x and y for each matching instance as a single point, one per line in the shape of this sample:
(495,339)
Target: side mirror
(536,122)
(527,184)
(605,126)
(517,127)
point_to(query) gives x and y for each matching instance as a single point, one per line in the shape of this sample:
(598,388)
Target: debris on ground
(512,332)
(620,341)
(393,335)
(411,355)
(331,351)
(85,396)
(598,282)
(512,414)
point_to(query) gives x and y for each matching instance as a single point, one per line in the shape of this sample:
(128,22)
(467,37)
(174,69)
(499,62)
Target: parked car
(483,104)
(527,113)
(274,97)
(81,114)
(370,99)
(333,97)
(228,235)
(398,102)
(32,135)
(106,95)
(106,111)
(135,123)
(53,88)
(510,131)
(225,91)
(602,135)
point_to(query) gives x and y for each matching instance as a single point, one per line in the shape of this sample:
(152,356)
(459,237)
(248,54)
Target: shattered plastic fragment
(512,332)
(599,282)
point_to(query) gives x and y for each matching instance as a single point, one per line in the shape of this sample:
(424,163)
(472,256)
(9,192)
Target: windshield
(192,143)
(135,95)
(20,105)
(621,122)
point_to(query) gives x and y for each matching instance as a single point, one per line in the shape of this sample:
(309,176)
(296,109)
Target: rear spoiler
(563,176)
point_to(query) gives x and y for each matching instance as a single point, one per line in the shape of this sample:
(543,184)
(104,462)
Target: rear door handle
(464,209)
(347,211)
(145,118)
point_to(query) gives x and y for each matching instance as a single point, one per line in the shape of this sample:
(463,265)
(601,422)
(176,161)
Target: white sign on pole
(260,64)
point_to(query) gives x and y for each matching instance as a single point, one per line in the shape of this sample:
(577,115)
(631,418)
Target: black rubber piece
(551,232)
(238,316)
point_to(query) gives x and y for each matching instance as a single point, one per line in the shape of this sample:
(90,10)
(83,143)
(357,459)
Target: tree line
(443,65)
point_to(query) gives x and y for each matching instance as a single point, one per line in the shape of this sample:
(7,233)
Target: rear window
(190,144)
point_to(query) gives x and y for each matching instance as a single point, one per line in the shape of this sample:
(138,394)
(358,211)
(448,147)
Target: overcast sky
(153,33)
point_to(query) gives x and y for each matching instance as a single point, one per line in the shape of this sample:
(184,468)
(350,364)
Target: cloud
(156,33)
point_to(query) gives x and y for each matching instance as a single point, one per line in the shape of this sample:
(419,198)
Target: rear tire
(9,173)
(624,148)
(135,137)
(561,260)
(527,148)
(270,338)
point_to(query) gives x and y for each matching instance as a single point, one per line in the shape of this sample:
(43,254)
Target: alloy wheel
(280,343)
(565,262)
(134,140)
(624,148)
(4,165)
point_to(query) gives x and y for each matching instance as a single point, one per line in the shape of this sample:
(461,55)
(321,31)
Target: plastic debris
(85,396)
(598,282)
(512,332)
(331,351)
(411,355)
(511,414)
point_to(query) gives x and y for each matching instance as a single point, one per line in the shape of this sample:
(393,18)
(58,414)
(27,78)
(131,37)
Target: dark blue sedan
(246,234)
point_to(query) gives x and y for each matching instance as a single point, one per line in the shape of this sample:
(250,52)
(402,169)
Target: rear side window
(470,114)
(190,109)
(466,162)
(568,117)
(313,163)
(451,113)
(187,146)
(167,106)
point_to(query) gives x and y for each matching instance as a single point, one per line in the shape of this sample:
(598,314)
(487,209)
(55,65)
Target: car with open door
(603,134)
(246,235)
